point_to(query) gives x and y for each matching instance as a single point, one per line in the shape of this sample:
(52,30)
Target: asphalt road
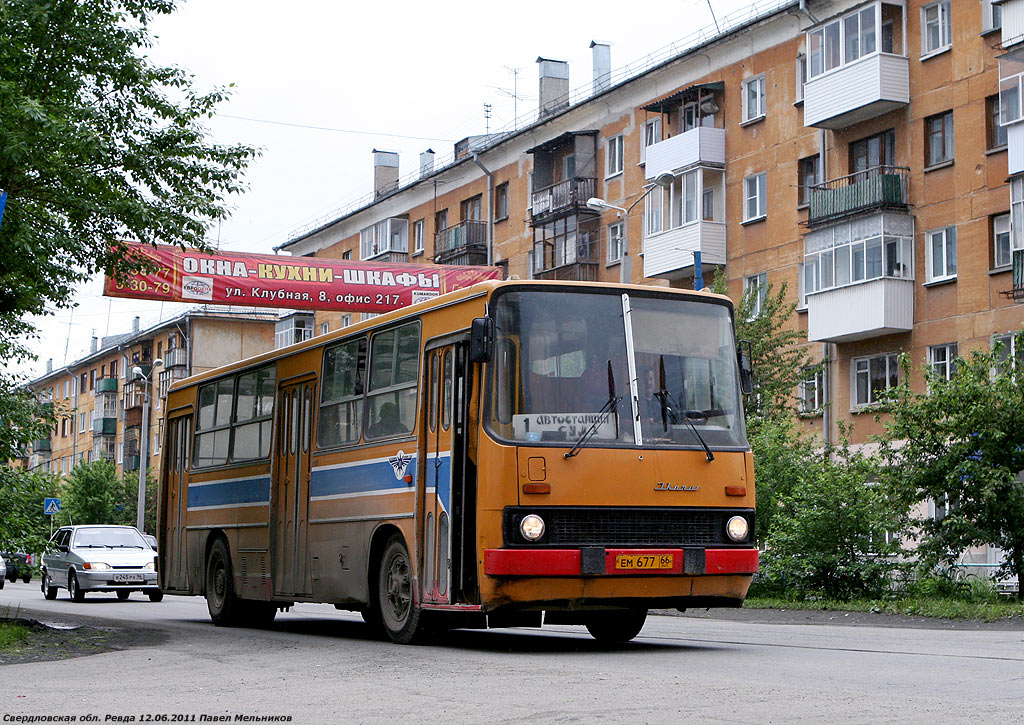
(319,665)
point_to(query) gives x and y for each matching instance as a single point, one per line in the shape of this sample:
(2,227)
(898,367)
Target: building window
(942,360)
(755,197)
(387,235)
(873,376)
(880,246)
(941,249)
(92,379)
(936,29)
(652,133)
(418,235)
(755,286)
(938,138)
(471,209)
(81,421)
(808,175)
(441,220)
(811,387)
(848,39)
(615,242)
(346,320)
(347,254)
(501,202)
(1002,254)
(992,15)
(568,166)
(613,157)
(1011,355)
(995,136)
(1016,214)
(325,327)
(754,98)
(801,78)
(1011,71)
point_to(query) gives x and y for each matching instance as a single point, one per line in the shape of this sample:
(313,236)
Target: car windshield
(112,537)
(562,356)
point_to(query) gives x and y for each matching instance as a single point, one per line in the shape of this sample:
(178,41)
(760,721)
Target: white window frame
(991,15)
(616,242)
(757,110)
(859,365)
(346,320)
(418,235)
(325,327)
(1001,229)
(387,235)
(761,280)
(652,133)
(613,157)
(755,189)
(1016,214)
(946,261)
(943,24)
(942,359)
(801,78)
(817,41)
(1009,340)
(811,380)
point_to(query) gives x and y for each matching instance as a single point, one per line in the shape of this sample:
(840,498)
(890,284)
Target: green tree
(23,525)
(962,444)
(99,147)
(95,494)
(131,507)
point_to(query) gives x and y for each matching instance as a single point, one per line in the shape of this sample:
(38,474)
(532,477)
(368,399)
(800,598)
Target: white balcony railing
(669,255)
(859,311)
(852,93)
(701,145)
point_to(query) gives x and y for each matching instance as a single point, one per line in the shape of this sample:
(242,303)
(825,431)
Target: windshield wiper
(670,407)
(607,408)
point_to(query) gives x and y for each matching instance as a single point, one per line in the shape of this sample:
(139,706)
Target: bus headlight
(737,528)
(531,527)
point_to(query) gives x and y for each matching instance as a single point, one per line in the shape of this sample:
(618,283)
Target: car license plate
(129,578)
(644,561)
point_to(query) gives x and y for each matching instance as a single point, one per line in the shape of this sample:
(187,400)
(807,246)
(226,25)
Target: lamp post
(661,181)
(140,518)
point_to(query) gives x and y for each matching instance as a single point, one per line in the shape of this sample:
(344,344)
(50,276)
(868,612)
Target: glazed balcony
(462,243)
(701,145)
(566,196)
(876,189)
(858,91)
(669,255)
(577,264)
(881,306)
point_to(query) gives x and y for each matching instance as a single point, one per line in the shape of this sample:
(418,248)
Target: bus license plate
(129,578)
(644,561)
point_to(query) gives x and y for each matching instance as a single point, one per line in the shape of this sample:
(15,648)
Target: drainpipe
(826,390)
(808,13)
(490,208)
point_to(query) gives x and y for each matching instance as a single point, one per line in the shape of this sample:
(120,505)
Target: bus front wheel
(400,613)
(225,608)
(616,627)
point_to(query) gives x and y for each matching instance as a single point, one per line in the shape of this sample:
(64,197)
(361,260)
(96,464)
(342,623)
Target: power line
(328,128)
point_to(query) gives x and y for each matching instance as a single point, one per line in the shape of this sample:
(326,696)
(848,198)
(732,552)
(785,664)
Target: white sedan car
(100,559)
(3,573)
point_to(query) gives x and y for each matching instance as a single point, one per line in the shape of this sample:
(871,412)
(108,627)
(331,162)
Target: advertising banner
(306,283)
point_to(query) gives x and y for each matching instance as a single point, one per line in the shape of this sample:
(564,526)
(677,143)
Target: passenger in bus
(388,422)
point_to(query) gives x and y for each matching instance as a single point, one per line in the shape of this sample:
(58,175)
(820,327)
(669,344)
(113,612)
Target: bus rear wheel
(225,608)
(616,627)
(400,613)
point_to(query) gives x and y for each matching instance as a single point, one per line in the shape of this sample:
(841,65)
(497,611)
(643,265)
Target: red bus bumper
(605,562)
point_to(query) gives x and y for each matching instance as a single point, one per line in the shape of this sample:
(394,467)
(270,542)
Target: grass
(12,634)
(908,604)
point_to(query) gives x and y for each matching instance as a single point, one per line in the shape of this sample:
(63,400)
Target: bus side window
(341,394)
(391,400)
(432,416)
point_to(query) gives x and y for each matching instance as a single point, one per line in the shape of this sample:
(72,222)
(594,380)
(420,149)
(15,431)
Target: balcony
(701,145)
(858,91)
(131,463)
(876,189)
(104,449)
(392,257)
(1016,293)
(877,307)
(42,445)
(134,394)
(573,264)
(566,196)
(106,385)
(463,243)
(104,426)
(176,357)
(669,255)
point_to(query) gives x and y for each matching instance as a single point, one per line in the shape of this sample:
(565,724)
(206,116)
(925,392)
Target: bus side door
(174,505)
(290,489)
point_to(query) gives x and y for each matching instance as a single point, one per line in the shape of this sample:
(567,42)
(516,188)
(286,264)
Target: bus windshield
(563,364)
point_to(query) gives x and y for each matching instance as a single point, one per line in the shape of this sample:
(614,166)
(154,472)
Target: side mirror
(746,369)
(481,340)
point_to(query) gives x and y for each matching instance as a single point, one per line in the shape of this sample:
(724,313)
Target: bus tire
(400,613)
(226,609)
(259,614)
(616,627)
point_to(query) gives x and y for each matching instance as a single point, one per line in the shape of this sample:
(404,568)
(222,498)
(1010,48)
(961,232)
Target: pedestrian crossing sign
(51,506)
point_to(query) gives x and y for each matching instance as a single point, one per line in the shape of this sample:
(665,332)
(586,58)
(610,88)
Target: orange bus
(511,454)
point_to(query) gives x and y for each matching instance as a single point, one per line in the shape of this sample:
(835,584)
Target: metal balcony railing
(874,189)
(1016,292)
(176,357)
(565,195)
(462,243)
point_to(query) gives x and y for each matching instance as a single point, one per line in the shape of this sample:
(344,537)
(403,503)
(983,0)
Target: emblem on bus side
(400,461)
(663,486)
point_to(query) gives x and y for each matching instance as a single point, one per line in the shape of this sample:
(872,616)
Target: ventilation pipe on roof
(385,172)
(94,345)
(135,324)
(602,54)
(554,86)
(426,163)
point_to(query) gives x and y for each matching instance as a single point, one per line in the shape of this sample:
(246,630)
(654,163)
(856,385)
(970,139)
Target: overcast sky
(397,76)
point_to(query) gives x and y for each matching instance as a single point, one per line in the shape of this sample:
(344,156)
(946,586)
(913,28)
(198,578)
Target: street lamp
(140,518)
(662,181)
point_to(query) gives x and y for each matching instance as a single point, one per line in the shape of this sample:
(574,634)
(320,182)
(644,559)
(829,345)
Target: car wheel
(26,577)
(49,591)
(400,613)
(225,608)
(74,591)
(123,594)
(2,582)
(155,595)
(12,575)
(616,627)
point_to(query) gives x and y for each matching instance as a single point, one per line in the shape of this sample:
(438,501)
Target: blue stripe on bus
(377,477)
(232,492)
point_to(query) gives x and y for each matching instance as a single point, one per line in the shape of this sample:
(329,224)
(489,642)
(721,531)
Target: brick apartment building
(856,152)
(99,402)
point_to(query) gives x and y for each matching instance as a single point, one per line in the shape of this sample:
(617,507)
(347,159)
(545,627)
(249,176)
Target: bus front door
(290,497)
(441,494)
